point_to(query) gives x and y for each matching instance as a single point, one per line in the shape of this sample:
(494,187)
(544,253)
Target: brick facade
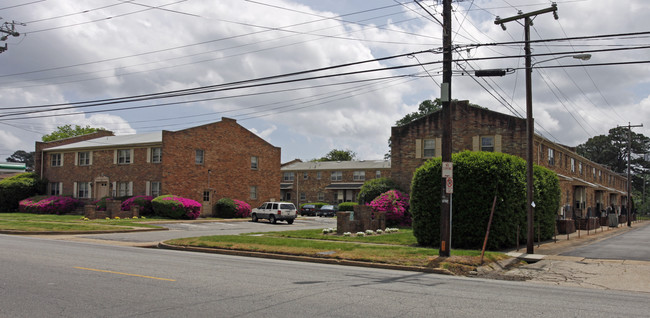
(478,129)
(226,170)
(320,181)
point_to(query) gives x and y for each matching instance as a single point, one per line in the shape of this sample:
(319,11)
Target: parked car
(327,210)
(275,211)
(308,209)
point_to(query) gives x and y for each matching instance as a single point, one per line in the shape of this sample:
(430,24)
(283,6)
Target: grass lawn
(394,248)
(65,223)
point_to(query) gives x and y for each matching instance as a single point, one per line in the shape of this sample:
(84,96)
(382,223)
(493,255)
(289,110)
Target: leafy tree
(611,151)
(23,156)
(338,155)
(67,131)
(375,187)
(19,187)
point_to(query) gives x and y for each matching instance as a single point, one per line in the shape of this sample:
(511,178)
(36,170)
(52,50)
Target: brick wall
(43,145)
(312,185)
(228,148)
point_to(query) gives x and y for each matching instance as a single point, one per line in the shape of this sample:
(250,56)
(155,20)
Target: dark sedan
(308,209)
(327,210)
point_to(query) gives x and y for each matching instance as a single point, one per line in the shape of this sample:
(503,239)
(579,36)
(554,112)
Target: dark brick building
(585,185)
(329,181)
(204,163)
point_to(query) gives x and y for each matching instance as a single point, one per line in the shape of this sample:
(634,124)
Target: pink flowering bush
(143,202)
(176,207)
(243,209)
(49,205)
(396,206)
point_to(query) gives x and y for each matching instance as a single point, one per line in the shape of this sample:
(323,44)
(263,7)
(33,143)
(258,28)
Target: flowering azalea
(395,204)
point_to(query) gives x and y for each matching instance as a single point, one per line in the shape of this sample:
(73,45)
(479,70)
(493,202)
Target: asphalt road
(180,230)
(52,278)
(632,245)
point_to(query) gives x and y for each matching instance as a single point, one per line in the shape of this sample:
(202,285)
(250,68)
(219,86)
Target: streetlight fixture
(583,57)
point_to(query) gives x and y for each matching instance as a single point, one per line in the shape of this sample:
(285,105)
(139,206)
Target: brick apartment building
(329,181)
(203,163)
(585,185)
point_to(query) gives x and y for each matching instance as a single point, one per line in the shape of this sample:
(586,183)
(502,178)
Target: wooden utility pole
(530,125)
(445,97)
(629,179)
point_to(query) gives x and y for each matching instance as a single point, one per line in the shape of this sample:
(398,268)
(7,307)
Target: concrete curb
(300,258)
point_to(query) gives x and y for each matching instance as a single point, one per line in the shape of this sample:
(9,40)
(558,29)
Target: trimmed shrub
(396,206)
(243,209)
(100,205)
(143,202)
(225,208)
(375,187)
(347,206)
(19,187)
(478,177)
(49,205)
(175,207)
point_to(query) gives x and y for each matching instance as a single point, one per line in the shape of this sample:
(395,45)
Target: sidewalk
(554,269)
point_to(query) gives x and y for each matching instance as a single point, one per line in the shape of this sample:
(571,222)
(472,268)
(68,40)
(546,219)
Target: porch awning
(344,186)
(286,186)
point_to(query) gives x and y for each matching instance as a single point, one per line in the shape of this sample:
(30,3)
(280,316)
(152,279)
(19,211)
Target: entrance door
(102,188)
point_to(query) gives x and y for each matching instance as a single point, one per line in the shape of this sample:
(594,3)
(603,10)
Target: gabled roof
(112,141)
(338,165)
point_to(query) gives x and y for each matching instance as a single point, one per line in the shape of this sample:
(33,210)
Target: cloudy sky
(191,62)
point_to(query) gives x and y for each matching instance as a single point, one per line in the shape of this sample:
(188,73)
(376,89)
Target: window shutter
(147,187)
(130,187)
(76,158)
(149,155)
(74,189)
(60,186)
(418,148)
(62,156)
(475,144)
(114,192)
(132,151)
(91,157)
(115,156)
(497,143)
(438,147)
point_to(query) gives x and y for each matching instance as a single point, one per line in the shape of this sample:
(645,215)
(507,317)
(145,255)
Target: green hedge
(374,188)
(478,177)
(347,206)
(19,187)
(225,208)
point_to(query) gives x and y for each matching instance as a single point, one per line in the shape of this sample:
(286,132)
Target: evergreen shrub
(478,177)
(375,187)
(347,206)
(19,187)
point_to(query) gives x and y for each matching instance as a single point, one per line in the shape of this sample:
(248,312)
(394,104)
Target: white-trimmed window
(580,167)
(253,192)
(56,160)
(83,189)
(254,163)
(206,195)
(487,143)
(600,175)
(83,158)
(287,177)
(429,148)
(359,175)
(156,155)
(198,156)
(573,165)
(54,188)
(155,188)
(551,157)
(305,175)
(337,176)
(318,175)
(124,156)
(321,196)
(123,188)
(303,196)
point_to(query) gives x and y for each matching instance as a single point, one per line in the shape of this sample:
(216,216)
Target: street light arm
(584,57)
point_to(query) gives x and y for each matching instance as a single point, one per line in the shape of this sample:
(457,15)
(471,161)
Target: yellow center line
(126,274)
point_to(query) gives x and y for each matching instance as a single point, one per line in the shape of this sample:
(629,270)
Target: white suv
(274,211)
